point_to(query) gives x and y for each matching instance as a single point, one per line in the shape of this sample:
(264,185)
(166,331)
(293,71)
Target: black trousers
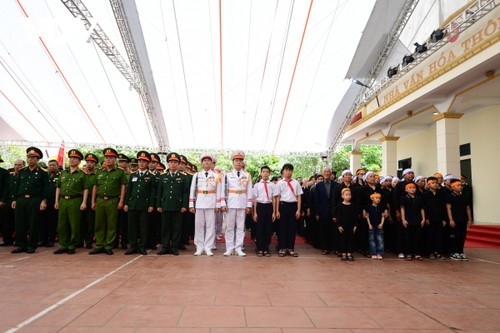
(171,223)
(326,228)
(412,239)
(347,240)
(288,225)
(435,237)
(48,225)
(264,226)
(459,233)
(137,228)
(7,218)
(27,214)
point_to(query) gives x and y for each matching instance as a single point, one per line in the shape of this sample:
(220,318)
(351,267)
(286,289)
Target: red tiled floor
(146,315)
(312,293)
(212,316)
(276,316)
(401,318)
(293,298)
(340,318)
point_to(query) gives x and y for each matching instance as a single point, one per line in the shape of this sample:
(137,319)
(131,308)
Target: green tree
(11,153)
(340,159)
(371,157)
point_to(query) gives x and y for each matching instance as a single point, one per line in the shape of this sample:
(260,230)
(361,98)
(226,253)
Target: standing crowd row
(412,217)
(157,203)
(151,203)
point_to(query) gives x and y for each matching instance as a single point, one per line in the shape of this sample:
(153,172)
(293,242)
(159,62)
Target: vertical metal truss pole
(134,72)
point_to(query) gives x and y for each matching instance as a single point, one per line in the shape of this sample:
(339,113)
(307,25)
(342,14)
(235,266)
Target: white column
(448,144)
(389,155)
(355,160)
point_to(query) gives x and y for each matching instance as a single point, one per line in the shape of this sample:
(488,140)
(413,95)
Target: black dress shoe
(174,252)
(6,243)
(163,251)
(143,252)
(49,244)
(109,252)
(97,251)
(130,251)
(71,251)
(60,250)
(19,249)
(30,250)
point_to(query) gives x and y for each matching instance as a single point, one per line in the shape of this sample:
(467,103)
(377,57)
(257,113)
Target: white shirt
(205,190)
(286,192)
(259,192)
(236,191)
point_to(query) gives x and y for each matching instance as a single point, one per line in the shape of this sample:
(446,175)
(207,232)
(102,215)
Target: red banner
(60,155)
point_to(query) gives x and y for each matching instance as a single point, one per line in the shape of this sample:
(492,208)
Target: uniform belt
(71,196)
(29,196)
(107,197)
(238,191)
(205,192)
(288,202)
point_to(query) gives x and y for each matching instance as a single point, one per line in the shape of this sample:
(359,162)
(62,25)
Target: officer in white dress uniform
(205,202)
(236,200)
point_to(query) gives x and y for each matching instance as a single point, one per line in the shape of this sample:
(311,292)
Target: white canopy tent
(274,86)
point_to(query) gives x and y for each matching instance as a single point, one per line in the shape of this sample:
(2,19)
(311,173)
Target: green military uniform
(31,190)
(154,219)
(172,196)
(108,189)
(50,216)
(8,218)
(122,227)
(187,227)
(73,192)
(88,218)
(140,197)
(4,195)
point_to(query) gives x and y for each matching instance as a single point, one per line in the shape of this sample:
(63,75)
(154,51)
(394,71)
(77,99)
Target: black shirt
(435,207)
(413,207)
(458,204)
(346,216)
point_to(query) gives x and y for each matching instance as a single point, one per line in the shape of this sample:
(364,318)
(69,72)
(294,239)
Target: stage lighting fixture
(437,35)
(392,71)
(420,48)
(407,59)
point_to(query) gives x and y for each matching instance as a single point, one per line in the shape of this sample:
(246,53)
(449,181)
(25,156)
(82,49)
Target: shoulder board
(183,173)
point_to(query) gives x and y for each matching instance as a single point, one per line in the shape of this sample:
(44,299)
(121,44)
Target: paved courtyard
(313,293)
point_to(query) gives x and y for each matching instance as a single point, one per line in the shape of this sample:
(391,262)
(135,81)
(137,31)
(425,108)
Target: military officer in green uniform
(154,223)
(8,220)
(133,165)
(188,218)
(88,219)
(139,204)
(172,202)
(108,196)
(122,229)
(48,224)
(29,199)
(4,194)
(71,199)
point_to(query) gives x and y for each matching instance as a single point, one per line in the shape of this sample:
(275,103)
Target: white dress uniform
(236,196)
(205,196)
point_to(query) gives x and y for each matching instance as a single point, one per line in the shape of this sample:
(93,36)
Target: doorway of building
(465,169)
